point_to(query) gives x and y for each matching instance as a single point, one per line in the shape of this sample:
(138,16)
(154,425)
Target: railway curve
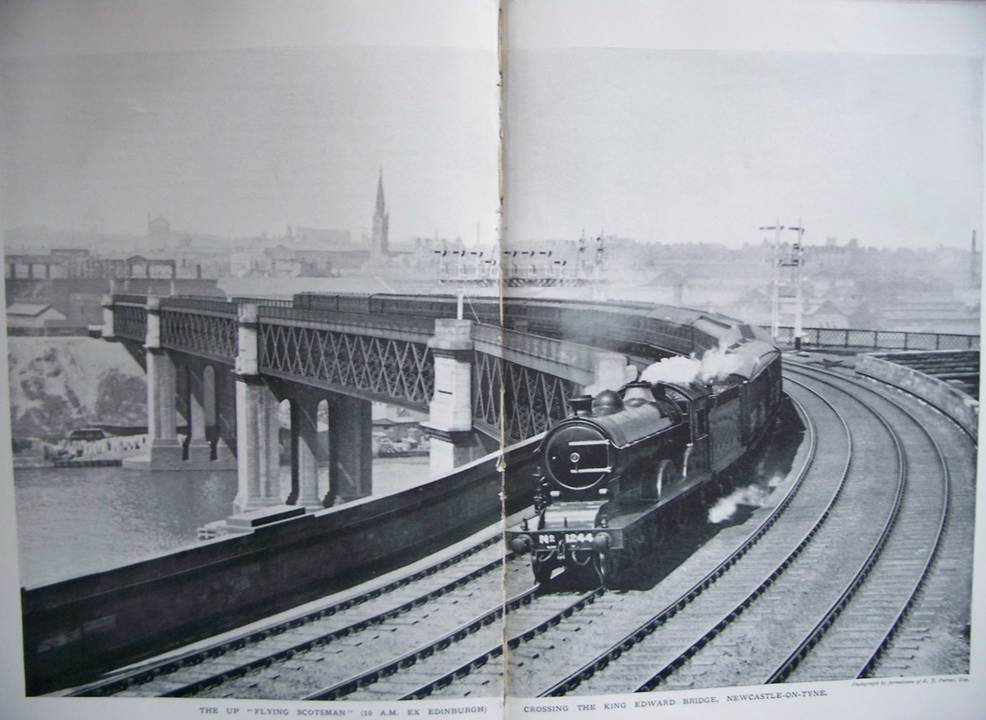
(836,576)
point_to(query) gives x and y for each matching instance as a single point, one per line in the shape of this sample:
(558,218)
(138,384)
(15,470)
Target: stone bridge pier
(199,399)
(452,440)
(345,421)
(199,391)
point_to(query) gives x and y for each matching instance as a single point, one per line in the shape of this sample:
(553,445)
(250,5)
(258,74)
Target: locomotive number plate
(569,538)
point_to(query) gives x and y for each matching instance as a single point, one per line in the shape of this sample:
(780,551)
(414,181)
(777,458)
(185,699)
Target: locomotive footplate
(572,526)
(574,539)
(575,526)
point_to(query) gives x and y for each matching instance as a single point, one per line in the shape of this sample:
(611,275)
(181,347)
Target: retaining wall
(957,404)
(76,629)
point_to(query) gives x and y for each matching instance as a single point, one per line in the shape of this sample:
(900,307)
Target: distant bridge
(230,364)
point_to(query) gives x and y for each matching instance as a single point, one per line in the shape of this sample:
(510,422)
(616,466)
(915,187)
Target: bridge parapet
(130,299)
(130,317)
(855,340)
(417,329)
(205,328)
(262,301)
(210,305)
(893,369)
(561,358)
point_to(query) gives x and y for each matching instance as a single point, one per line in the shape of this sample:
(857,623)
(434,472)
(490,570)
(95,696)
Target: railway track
(443,648)
(538,658)
(855,604)
(832,578)
(930,632)
(653,646)
(689,643)
(481,673)
(850,639)
(400,641)
(477,570)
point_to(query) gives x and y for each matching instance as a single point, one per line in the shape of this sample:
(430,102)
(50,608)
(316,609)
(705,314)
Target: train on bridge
(630,463)
(636,328)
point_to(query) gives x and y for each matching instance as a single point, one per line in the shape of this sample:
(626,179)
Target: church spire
(379,241)
(381,203)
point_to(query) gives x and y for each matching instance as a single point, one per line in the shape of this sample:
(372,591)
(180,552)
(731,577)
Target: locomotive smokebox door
(578,457)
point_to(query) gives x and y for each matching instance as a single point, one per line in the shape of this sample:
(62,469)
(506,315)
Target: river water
(74,521)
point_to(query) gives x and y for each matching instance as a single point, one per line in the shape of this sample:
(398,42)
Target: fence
(877,339)
(48,331)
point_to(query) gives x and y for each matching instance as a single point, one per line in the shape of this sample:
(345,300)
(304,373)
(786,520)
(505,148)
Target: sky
(654,120)
(676,145)
(235,119)
(244,141)
(702,121)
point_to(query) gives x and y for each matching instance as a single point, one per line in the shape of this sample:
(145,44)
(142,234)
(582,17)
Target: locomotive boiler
(628,467)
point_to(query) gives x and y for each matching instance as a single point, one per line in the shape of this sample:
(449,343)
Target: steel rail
(658,677)
(789,663)
(146,674)
(513,642)
(887,635)
(350,685)
(571,681)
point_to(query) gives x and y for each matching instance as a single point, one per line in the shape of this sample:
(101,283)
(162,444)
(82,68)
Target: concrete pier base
(199,453)
(449,450)
(170,458)
(246,522)
(160,457)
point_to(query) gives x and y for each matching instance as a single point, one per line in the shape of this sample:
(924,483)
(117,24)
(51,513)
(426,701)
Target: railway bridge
(226,365)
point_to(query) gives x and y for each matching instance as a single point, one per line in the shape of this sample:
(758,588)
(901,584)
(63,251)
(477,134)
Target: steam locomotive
(628,466)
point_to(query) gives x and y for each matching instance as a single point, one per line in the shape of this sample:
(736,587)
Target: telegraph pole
(797,261)
(775,302)
(973,263)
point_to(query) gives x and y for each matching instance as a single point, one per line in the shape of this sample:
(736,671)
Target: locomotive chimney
(606,403)
(581,405)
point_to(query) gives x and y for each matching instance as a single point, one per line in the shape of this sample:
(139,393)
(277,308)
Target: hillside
(57,384)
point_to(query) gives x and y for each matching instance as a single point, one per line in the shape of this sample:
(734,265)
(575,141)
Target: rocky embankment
(59,384)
